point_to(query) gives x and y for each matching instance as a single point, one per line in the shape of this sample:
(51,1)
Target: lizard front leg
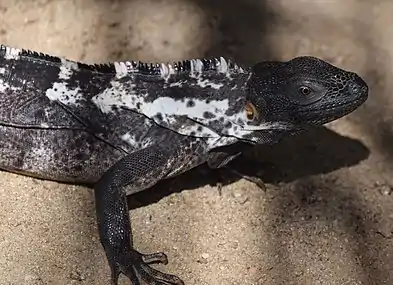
(139,171)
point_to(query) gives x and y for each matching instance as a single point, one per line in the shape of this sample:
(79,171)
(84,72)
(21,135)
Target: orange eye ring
(251,111)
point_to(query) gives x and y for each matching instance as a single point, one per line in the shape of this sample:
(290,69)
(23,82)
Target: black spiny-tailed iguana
(124,126)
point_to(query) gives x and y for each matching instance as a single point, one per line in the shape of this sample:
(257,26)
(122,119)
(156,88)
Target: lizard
(123,126)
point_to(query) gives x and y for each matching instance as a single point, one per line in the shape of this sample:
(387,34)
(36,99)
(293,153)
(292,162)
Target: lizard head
(305,91)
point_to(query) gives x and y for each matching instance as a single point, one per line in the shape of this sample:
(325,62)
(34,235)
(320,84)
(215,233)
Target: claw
(257,181)
(153,258)
(219,188)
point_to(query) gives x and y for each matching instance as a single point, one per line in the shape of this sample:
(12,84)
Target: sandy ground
(326,217)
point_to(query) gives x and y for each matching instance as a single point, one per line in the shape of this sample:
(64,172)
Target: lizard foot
(136,267)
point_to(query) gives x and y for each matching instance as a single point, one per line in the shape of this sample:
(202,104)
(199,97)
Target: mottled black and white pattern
(125,126)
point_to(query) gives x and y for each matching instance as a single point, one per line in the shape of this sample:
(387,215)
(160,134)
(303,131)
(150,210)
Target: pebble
(204,258)
(385,189)
(77,275)
(240,198)
(33,279)
(253,270)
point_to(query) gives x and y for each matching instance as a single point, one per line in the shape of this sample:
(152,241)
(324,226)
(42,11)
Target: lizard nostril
(354,87)
(358,86)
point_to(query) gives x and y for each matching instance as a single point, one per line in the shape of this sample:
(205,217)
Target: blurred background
(327,214)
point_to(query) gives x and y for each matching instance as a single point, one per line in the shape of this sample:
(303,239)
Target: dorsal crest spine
(219,64)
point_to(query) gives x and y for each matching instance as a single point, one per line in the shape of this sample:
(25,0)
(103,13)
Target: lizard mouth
(330,114)
(268,126)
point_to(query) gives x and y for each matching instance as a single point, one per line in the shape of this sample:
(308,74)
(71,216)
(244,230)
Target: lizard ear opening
(251,111)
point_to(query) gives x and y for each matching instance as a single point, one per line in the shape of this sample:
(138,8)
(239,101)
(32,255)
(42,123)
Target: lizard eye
(251,111)
(305,90)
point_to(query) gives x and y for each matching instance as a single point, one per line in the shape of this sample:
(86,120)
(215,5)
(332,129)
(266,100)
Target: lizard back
(75,116)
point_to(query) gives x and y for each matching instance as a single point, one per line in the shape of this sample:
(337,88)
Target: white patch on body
(132,141)
(12,53)
(60,92)
(200,82)
(66,68)
(46,116)
(4,86)
(116,96)
(207,83)
(220,141)
(146,142)
(205,132)
(176,84)
(169,107)
(2,70)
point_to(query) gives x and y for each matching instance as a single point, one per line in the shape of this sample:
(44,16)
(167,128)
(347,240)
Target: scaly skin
(125,126)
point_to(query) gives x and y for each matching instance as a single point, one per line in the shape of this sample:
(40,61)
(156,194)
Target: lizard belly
(60,155)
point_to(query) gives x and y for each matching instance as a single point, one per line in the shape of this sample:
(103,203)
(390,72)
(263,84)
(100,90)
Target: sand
(326,216)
